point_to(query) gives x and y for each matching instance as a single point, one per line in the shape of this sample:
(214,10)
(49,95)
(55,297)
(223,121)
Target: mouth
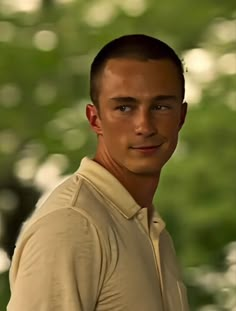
(146,149)
(146,146)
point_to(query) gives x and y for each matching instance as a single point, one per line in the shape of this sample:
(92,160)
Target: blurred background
(46,48)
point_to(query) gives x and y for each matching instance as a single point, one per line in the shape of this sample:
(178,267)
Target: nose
(144,124)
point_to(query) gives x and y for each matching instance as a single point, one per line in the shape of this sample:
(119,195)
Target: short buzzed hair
(135,46)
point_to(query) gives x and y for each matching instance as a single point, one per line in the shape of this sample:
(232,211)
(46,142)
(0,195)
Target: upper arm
(60,265)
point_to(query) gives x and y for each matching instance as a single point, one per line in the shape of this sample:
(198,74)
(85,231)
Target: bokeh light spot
(227,64)
(45,93)
(26,168)
(12,6)
(10,95)
(8,200)
(193,93)
(45,40)
(100,13)
(133,7)
(74,139)
(49,173)
(64,1)
(224,30)
(4,261)
(201,64)
(8,141)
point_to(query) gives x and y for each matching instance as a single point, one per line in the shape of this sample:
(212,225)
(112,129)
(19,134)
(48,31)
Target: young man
(97,243)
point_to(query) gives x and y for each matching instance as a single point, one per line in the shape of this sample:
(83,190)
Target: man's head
(137,88)
(136,46)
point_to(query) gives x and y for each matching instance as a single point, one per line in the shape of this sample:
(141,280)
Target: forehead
(140,77)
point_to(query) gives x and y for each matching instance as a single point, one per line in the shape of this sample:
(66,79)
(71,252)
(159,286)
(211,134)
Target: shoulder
(74,195)
(75,208)
(62,229)
(64,233)
(58,248)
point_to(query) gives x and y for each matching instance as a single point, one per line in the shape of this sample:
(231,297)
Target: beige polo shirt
(89,247)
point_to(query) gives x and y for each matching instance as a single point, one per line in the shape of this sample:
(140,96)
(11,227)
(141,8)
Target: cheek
(116,130)
(168,127)
(113,136)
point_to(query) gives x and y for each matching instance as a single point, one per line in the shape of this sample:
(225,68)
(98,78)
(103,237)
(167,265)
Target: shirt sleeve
(59,265)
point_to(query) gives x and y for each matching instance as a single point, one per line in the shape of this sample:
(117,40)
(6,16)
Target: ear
(183,112)
(94,118)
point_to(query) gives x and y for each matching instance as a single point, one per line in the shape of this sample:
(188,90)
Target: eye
(160,107)
(123,108)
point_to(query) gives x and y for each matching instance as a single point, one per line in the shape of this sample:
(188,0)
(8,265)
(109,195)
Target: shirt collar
(108,186)
(156,218)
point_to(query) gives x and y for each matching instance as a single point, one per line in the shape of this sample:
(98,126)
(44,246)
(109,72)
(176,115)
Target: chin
(146,169)
(146,172)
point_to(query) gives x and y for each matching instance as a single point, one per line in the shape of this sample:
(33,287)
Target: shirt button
(140,216)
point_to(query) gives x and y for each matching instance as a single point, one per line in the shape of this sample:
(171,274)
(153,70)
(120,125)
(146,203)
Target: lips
(146,150)
(145,147)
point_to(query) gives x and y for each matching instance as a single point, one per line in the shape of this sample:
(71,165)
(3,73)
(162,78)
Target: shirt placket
(153,234)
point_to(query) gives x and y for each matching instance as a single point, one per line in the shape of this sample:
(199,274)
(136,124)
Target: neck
(141,187)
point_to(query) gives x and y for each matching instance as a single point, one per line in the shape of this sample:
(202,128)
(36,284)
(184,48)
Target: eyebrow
(123,99)
(129,99)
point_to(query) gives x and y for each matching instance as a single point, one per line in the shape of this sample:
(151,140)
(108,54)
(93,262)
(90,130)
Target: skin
(141,112)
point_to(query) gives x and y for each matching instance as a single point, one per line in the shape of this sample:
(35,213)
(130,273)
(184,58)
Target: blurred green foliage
(44,63)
